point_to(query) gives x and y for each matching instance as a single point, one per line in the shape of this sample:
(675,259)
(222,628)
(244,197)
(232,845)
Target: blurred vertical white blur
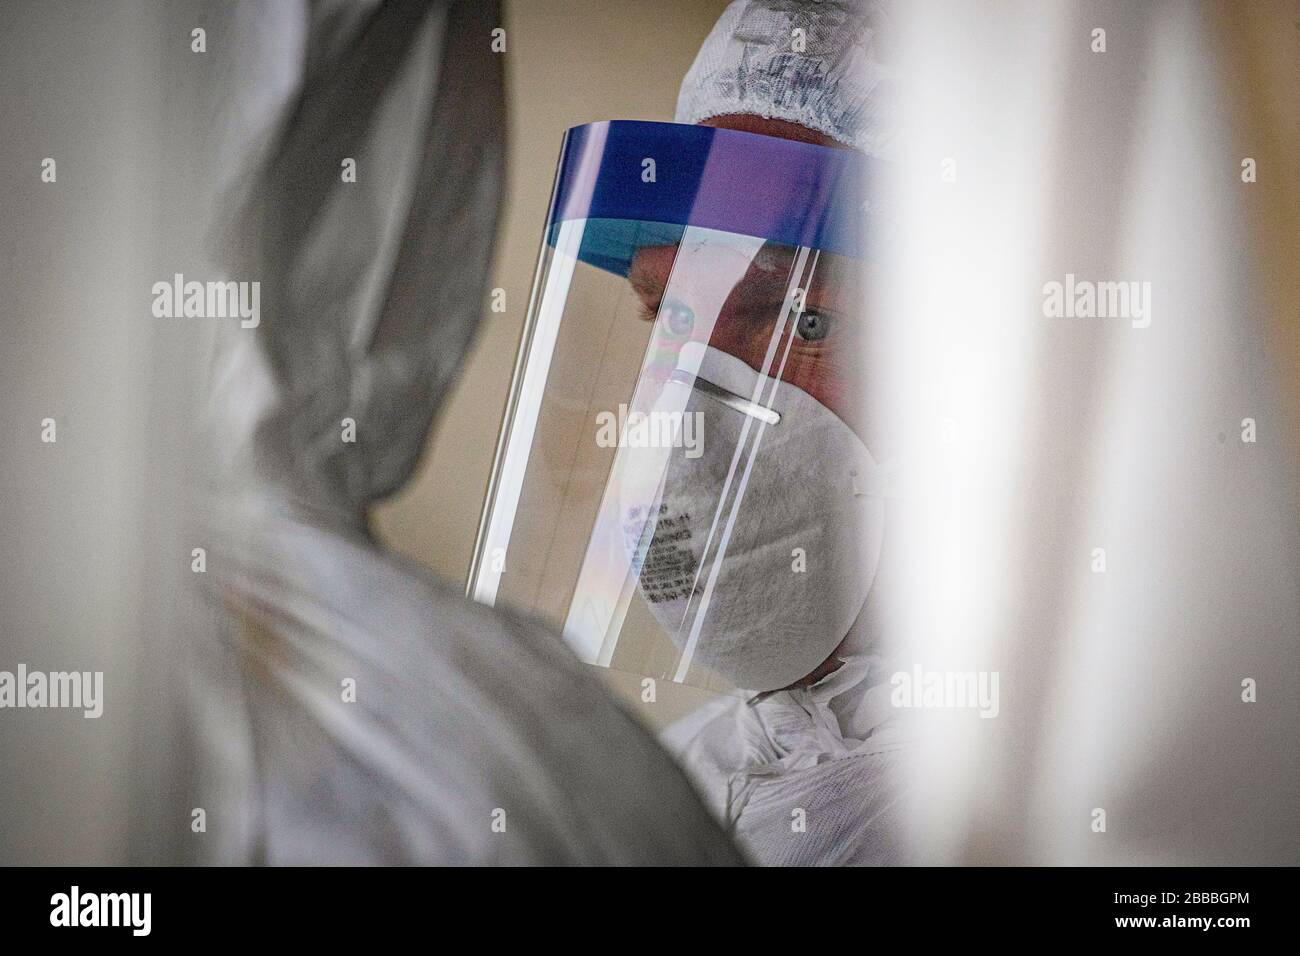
(1035,440)
(90,563)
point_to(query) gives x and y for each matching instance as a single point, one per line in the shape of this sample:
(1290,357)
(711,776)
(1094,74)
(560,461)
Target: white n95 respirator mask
(756,555)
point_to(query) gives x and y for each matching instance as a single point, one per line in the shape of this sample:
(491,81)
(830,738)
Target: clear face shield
(681,484)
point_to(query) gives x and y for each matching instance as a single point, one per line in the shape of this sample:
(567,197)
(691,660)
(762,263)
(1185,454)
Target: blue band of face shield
(791,193)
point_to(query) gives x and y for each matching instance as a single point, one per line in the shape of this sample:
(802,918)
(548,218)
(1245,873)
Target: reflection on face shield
(682,484)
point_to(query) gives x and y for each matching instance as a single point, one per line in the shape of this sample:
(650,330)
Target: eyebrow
(643,283)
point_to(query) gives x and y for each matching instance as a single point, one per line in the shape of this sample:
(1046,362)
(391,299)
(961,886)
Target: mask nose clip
(768,416)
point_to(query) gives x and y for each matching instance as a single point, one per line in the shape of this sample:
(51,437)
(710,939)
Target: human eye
(814,325)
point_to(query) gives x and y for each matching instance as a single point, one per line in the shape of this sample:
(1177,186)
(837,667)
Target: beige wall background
(568,62)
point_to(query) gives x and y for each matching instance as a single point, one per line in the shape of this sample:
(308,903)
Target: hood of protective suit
(373,277)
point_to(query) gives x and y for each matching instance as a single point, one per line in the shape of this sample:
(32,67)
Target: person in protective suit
(358,710)
(809,770)
(702,291)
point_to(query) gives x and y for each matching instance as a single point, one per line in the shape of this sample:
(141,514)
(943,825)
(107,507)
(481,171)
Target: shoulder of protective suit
(419,727)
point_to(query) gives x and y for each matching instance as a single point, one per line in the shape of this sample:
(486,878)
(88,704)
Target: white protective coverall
(804,777)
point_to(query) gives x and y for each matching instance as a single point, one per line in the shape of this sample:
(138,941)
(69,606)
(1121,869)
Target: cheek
(832,380)
(818,378)
(736,339)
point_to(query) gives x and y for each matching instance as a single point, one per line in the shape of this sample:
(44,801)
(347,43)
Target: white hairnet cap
(827,77)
